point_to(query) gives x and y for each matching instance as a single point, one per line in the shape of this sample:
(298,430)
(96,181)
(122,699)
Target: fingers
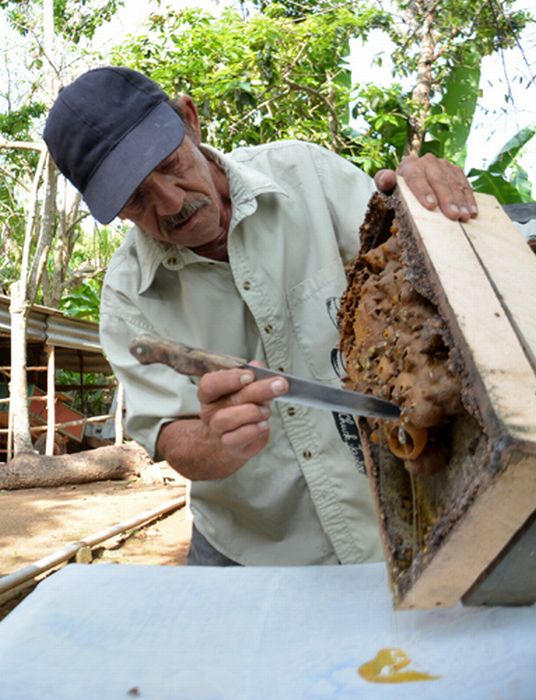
(231,422)
(235,408)
(238,386)
(436,182)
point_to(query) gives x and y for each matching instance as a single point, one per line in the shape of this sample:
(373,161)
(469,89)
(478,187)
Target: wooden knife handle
(182,358)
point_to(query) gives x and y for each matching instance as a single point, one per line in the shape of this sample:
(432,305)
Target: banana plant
(504,178)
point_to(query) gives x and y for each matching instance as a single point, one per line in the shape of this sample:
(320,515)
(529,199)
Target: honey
(390,666)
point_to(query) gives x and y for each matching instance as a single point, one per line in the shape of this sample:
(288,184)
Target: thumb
(385,180)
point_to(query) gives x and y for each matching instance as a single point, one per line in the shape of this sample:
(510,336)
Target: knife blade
(194,362)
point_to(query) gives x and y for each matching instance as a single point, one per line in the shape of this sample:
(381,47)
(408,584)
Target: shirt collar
(245,184)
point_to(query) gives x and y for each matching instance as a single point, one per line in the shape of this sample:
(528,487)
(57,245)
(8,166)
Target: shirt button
(247,284)
(307,454)
(291,411)
(280,369)
(268,328)
(172,261)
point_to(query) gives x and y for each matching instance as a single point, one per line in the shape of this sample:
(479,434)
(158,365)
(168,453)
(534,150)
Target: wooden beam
(51,400)
(120,400)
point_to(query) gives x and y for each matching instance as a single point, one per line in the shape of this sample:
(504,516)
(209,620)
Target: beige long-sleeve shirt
(296,211)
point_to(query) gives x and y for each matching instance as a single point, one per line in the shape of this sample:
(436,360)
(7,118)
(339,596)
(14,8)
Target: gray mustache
(169,223)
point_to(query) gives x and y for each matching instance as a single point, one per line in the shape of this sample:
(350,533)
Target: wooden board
(482,277)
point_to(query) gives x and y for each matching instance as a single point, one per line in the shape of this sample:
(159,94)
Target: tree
(39,231)
(441,44)
(282,72)
(260,78)
(72,24)
(42,218)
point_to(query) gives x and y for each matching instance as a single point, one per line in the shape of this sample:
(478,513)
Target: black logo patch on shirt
(345,422)
(349,433)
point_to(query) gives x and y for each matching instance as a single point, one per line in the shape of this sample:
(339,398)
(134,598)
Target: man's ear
(189,114)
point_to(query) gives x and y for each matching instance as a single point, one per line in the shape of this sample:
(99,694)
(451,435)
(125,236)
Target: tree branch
(22,145)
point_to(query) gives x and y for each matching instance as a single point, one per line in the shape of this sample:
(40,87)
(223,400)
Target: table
(107,632)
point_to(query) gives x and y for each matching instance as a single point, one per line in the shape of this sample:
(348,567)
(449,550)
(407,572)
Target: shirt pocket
(313,306)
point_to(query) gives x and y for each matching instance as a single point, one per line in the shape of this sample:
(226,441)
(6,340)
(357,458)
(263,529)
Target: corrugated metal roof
(54,328)
(36,322)
(70,333)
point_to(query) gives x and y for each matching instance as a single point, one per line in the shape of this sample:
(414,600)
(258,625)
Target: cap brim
(131,161)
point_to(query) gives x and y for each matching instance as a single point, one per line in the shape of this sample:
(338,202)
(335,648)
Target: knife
(190,361)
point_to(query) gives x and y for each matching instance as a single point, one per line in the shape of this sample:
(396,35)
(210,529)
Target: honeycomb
(395,346)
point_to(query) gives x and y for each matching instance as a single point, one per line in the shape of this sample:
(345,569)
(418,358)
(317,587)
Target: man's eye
(170,164)
(134,201)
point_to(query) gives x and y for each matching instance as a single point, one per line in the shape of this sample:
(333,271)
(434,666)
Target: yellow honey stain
(389,666)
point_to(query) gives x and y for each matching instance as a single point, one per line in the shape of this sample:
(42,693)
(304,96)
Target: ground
(34,523)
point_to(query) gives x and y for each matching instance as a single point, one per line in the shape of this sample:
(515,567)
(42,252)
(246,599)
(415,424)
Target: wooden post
(120,400)
(82,387)
(9,447)
(51,399)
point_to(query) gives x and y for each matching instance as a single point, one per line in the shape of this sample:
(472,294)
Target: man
(240,254)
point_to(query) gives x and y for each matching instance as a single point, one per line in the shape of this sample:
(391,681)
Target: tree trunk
(60,279)
(31,470)
(19,310)
(423,86)
(18,387)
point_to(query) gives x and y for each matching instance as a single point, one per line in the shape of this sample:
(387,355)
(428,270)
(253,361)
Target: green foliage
(451,119)
(464,31)
(16,169)
(17,125)
(480,27)
(83,301)
(257,79)
(504,178)
(73,19)
(76,19)
(95,402)
(384,112)
(282,73)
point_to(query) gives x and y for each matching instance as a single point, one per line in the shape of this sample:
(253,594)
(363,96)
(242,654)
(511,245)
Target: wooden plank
(510,265)
(510,579)
(477,539)
(477,316)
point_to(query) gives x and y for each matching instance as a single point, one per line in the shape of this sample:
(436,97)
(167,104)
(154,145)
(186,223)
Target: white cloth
(259,633)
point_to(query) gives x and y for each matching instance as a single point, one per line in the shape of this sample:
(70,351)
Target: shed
(54,341)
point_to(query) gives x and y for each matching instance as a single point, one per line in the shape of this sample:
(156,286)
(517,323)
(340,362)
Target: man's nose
(166,193)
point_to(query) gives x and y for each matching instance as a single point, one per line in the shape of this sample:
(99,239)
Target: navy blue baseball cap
(107,131)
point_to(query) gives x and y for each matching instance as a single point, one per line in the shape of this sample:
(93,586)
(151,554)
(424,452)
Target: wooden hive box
(467,532)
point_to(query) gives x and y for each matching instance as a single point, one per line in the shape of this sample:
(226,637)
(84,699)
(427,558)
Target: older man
(239,253)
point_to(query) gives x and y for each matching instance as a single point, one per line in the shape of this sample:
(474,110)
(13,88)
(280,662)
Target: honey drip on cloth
(390,666)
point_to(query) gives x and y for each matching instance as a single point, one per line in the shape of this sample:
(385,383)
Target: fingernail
(278,386)
(246,378)
(454,209)
(474,210)
(265,411)
(263,425)
(381,179)
(431,200)
(465,212)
